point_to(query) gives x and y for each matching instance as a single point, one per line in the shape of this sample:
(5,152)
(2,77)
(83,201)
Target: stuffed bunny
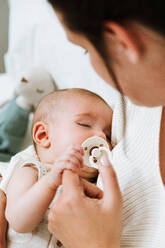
(33,84)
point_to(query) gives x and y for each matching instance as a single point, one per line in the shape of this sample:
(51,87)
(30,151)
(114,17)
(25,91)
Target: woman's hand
(3,222)
(83,217)
(88,173)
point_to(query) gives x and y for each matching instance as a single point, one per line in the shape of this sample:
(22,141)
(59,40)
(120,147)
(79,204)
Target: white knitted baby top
(135,136)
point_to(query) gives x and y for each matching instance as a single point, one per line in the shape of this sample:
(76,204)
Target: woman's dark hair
(88,16)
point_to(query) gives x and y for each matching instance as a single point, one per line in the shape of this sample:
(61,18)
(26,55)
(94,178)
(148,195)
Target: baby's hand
(71,160)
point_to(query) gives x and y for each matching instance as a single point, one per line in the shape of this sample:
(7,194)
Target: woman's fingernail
(104,160)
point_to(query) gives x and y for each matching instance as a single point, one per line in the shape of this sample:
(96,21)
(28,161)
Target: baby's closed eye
(83,124)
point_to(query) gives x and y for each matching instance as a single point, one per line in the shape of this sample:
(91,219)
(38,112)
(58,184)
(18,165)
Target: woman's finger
(88,172)
(72,185)
(91,190)
(112,194)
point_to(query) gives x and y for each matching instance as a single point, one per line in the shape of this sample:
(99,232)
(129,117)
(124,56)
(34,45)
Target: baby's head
(68,117)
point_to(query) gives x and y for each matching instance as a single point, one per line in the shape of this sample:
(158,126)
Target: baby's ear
(40,134)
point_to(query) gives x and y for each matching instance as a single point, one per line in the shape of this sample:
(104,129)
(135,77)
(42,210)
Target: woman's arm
(3,222)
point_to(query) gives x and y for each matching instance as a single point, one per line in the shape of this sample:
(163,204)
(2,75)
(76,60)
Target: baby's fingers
(74,153)
(73,163)
(77,149)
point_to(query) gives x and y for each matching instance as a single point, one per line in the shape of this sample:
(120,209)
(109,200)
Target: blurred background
(4,17)
(31,36)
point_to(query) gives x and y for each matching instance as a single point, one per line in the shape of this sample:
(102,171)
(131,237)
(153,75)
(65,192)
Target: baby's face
(79,118)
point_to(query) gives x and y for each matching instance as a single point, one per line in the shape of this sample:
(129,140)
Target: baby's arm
(28,199)
(3,222)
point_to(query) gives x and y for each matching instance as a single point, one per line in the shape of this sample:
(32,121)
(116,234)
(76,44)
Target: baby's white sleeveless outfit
(40,237)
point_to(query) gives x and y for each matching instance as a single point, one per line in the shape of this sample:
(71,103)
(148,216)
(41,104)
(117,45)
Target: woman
(125,41)
(3,222)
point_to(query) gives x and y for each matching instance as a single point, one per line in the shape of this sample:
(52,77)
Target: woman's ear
(126,41)
(40,134)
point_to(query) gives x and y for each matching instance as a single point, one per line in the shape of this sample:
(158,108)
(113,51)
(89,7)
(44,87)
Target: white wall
(3,31)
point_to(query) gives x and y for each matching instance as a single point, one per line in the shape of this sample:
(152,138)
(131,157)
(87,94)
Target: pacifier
(94,147)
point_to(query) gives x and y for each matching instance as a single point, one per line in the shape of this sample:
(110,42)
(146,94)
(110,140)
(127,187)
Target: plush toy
(32,85)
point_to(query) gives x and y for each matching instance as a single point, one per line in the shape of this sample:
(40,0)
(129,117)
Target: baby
(62,122)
